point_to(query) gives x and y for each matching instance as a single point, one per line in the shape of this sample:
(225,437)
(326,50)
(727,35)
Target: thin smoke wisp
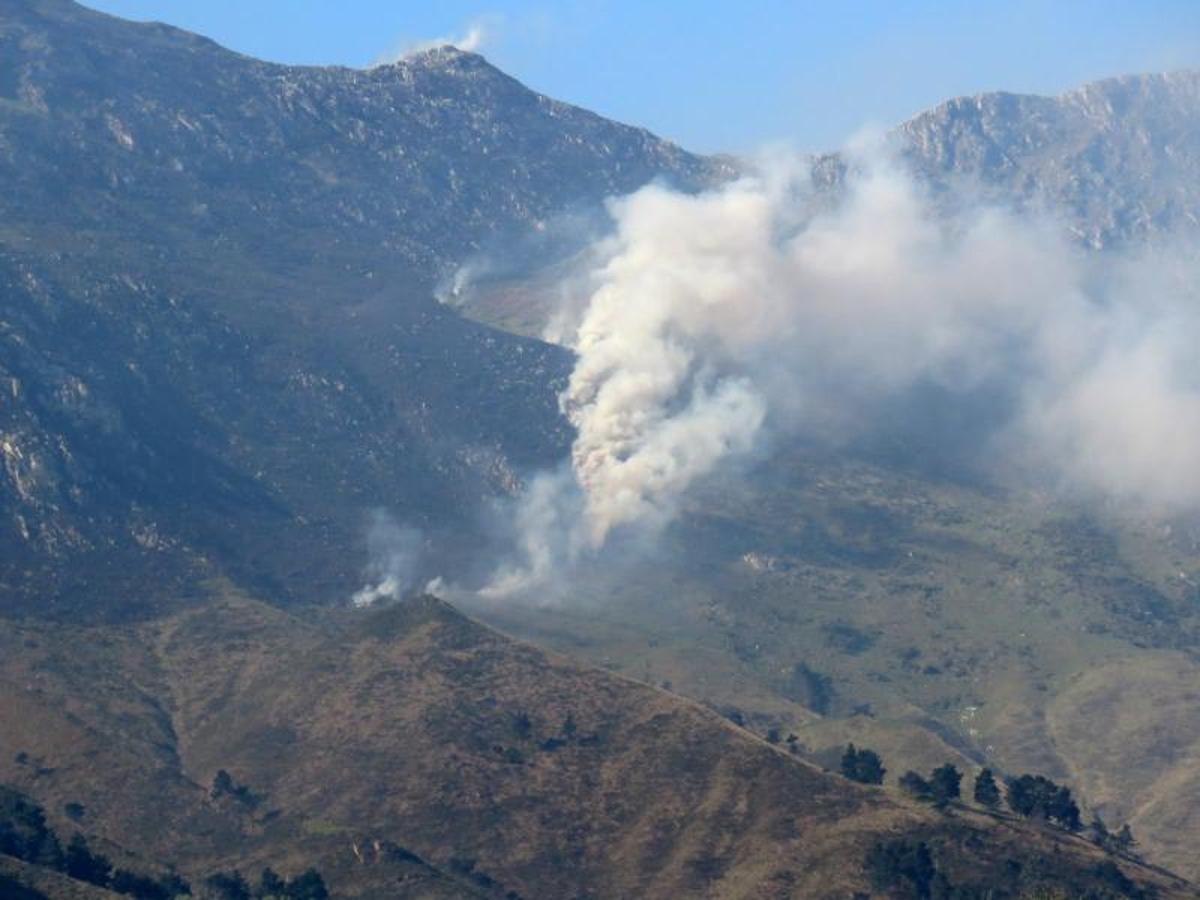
(393,554)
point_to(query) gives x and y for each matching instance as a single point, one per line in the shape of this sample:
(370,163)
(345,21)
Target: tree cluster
(943,786)
(25,835)
(224,785)
(1037,797)
(1120,842)
(863,766)
(11,889)
(1029,796)
(271,886)
(908,868)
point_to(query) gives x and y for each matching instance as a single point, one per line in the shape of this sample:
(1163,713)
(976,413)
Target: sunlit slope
(936,621)
(410,746)
(898,591)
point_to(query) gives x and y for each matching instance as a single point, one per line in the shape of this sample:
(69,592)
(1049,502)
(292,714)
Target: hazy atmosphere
(711,327)
(599,450)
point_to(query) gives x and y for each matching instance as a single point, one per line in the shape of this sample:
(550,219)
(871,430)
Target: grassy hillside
(22,881)
(410,746)
(853,598)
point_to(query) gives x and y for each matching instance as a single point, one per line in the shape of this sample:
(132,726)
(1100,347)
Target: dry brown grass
(499,767)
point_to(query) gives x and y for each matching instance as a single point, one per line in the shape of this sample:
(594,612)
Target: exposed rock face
(217,331)
(1120,157)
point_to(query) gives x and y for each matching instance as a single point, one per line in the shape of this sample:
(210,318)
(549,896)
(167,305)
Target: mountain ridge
(219,348)
(219,279)
(414,727)
(1119,157)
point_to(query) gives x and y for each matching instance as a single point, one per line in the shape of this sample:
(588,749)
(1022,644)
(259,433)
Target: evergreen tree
(863,766)
(24,832)
(1100,834)
(987,792)
(850,761)
(1035,796)
(901,867)
(223,784)
(1065,811)
(11,889)
(270,885)
(945,784)
(228,886)
(176,885)
(144,887)
(83,864)
(309,886)
(1124,841)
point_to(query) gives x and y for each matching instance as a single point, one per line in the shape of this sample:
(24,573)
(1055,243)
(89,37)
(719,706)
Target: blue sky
(719,75)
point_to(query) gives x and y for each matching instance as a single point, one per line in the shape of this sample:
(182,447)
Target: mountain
(221,349)
(881,593)
(1118,158)
(220,343)
(1116,161)
(408,751)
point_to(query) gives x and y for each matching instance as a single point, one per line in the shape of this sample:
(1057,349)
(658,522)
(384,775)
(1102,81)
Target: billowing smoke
(720,325)
(393,554)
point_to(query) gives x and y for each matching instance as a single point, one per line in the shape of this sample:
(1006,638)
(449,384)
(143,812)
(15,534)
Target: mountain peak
(1067,151)
(442,56)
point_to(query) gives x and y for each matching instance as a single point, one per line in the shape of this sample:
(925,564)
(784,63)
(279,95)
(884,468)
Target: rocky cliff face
(218,343)
(1119,158)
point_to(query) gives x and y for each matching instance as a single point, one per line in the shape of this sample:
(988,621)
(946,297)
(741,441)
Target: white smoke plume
(393,554)
(716,325)
(476,36)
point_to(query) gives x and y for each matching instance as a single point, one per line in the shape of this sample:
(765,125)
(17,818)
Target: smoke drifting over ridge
(716,326)
(476,36)
(393,554)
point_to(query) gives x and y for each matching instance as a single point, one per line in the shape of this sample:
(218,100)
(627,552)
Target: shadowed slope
(219,337)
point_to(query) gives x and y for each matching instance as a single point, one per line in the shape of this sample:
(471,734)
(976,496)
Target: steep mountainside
(1119,158)
(23,881)
(886,593)
(848,599)
(1118,161)
(217,331)
(410,752)
(219,348)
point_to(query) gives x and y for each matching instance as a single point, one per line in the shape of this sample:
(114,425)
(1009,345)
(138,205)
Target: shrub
(863,766)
